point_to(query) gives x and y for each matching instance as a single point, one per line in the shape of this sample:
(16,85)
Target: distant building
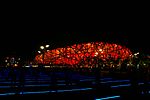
(12,61)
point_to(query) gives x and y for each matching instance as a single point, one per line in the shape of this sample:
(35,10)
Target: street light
(42,47)
(47,46)
(39,51)
(43,50)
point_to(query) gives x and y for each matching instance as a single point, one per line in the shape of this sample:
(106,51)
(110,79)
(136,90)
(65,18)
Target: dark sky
(27,43)
(22,35)
(22,31)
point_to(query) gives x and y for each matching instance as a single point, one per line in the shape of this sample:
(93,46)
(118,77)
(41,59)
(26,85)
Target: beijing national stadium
(85,54)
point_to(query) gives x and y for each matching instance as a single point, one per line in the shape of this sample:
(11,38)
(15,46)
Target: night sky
(22,36)
(26,43)
(23,31)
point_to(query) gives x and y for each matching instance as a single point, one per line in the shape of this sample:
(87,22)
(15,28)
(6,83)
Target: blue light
(74,90)
(4,94)
(112,97)
(116,86)
(41,92)
(5,87)
(63,90)
(120,85)
(116,81)
(37,85)
(38,92)
(140,83)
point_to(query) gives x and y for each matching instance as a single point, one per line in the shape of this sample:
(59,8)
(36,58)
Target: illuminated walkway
(43,85)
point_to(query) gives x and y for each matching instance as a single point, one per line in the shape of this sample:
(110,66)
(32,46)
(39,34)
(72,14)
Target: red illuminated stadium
(84,53)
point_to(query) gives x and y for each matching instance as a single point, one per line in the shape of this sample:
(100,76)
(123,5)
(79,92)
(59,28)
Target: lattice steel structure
(85,54)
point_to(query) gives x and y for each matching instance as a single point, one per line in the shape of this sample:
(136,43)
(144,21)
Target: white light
(34,65)
(26,66)
(100,49)
(15,64)
(46,66)
(96,53)
(42,47)
(130,55)
(88,44)
(47,46)
(136,53)
(39,51)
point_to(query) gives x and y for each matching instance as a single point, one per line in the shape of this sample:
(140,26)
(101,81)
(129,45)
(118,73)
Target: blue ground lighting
(106,98)
(43,83)
(116,81)
(51,91)
(122,85)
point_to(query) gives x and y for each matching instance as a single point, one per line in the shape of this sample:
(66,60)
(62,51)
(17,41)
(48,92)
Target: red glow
(84,53)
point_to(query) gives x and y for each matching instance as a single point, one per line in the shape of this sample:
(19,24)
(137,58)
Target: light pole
(43,50)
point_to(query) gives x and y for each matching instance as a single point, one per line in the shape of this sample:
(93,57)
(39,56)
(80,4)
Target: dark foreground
(79,95)
(71,85)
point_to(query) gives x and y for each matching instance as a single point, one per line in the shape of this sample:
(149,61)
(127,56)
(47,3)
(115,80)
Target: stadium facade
(85,54)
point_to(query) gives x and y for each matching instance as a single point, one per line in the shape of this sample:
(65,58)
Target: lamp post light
(43,50)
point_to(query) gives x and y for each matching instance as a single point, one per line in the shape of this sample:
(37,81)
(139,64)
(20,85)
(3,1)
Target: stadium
(86,55)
